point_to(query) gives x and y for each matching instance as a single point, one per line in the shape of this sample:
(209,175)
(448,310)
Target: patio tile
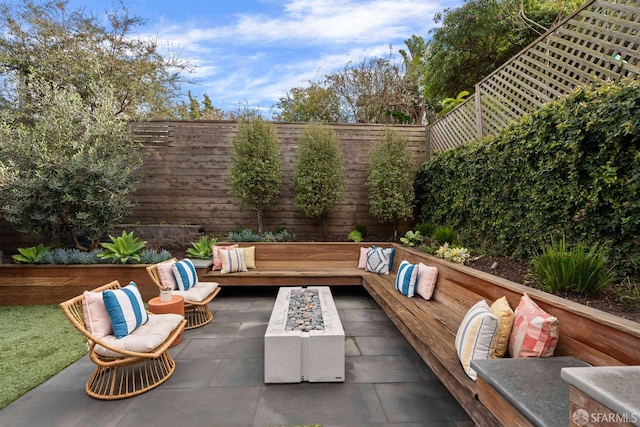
(228,406)
(419,402)
(223,302)
(241,316)
(239,372)
(362,315)
(245,348)
(214,330)
(350,347)
(195,373)
(370,328)
(210,348)
(380,346)
(322,403)
(382,369)
(355,302)
(252,329)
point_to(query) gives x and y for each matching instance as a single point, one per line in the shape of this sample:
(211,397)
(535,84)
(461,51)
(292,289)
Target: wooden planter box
(52,284)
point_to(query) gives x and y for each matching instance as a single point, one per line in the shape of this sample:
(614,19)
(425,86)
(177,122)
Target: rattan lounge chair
(196,309)
(123,373)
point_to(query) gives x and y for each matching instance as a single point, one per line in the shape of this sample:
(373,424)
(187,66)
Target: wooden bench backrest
(591,335)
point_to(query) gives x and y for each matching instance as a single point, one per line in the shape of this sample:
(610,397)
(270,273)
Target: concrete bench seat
(529,392)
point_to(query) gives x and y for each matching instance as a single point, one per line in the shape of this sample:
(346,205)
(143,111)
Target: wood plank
(506,414)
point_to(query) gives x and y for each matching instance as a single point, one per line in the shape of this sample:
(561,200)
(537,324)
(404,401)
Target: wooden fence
(185,180)
(600,41)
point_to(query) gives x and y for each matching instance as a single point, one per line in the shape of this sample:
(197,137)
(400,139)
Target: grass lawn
(36,342)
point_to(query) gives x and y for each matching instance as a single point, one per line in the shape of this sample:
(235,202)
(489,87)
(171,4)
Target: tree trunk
(259,221)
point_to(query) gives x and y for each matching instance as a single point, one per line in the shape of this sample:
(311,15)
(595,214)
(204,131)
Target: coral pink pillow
(217,261)
(96,318)
(427,277)
(535,332)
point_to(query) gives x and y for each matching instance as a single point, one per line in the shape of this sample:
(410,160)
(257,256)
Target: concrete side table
(176,306)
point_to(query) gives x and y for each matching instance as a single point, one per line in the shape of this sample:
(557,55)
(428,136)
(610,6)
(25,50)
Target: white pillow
(165,273)
(476,336)
(232,260)
(427,276)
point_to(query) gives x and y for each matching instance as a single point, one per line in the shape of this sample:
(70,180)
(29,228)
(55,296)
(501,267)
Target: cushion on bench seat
(197,293)
(145,339)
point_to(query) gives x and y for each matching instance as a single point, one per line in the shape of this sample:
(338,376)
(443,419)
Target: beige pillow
(362,262)
(427,276)
(504,313)
(217,261)
(250,257)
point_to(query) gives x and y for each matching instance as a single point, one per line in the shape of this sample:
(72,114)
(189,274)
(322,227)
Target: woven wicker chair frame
(197,313)
(133,373)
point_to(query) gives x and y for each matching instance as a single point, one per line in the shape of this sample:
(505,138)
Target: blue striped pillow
(185,273)
(125,308)
(406,278)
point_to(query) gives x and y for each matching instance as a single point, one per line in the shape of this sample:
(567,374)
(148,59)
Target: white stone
(295,356)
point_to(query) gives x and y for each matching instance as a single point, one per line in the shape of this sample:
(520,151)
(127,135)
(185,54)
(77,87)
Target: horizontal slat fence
(185,180)
(600,41)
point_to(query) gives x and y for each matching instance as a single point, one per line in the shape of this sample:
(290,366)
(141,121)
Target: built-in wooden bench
(586,334)
(298,263)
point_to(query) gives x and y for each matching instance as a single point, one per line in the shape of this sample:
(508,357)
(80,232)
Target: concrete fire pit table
(304,354)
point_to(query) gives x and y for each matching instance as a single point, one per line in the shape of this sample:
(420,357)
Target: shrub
(571,168)
(31,255)
(412,238)
(425,229)
(444,234)
(390,180)
(71,256)
(578,269)
(246,235)
(318,176)
(202,248)
(629,293)
(150,256)
(68,169)
(355,236)
(454,254)
(255,173)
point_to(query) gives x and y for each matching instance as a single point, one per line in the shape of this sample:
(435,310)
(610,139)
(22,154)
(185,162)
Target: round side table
(176,306)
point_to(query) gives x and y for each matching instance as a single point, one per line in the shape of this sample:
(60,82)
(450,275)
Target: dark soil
(521,272)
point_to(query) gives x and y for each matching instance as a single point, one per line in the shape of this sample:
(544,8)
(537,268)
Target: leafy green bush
(454,254)
(202,248)
(355,236)
(577,269)
(425,229)
(412,238)
(571,168)
(68,169)
(125,249)
(71,256)
(31,255)
(255,174)
(318,175)
(246,235)
(444,234)
(629,293)
(390,180)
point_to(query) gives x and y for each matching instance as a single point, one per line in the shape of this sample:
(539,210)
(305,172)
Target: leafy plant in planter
(124,249)
(412,238)
(355,236)
(444,234)
(202,248)
(30,255)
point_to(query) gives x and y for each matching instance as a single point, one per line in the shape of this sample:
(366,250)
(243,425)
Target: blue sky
(253,51)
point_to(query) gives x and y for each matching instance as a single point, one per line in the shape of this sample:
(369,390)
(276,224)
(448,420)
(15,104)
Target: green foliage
(355,236)
(425,229)
(571,168)
(71,48)
(30,255)
(577,269)
(255,174)
(449,104)
(315,102)
(362,229)
(390,179)
(150,256)
(247,235)
(444,234)
(474,39)
(629,293)
(318,175)
(69,168)
(71,256)
(202,248)
(125,249)
(412,238)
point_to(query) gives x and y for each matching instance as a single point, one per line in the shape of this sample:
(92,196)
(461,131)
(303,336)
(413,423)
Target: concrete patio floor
(219,379)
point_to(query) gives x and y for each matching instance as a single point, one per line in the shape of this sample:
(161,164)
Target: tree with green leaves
(316,102)
(255,174)
(390,180)
(318,176)
(479,36)
(71,49)
(66,169)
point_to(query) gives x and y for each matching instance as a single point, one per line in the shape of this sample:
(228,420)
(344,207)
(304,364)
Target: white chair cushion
(146,338)
(197,293)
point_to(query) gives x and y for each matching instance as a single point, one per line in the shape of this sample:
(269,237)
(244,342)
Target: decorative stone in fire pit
(304,339)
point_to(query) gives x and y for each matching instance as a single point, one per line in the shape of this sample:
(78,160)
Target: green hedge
(571,168)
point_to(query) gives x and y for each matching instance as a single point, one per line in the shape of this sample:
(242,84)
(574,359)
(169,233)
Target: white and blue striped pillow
(125,308)
(406,278)
(377,261)
(185,273)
